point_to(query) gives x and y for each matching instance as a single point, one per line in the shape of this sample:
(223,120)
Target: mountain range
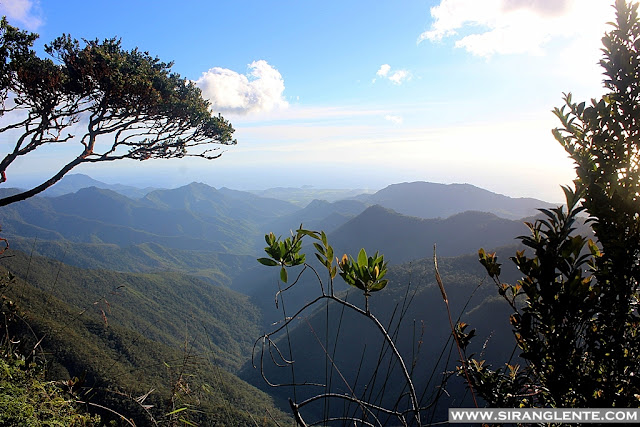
(202,218)
(157,268)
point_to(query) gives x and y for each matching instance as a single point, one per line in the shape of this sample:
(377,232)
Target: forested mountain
(164,305)
(207,202)
(431,200)
(200,217)
(216,267)
(132,334)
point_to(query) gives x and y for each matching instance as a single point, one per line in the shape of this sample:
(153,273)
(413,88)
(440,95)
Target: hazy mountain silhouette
(195,216)
(73,182)
(207,202)
(318,215)
(431,200)
(304,195)
(402,238)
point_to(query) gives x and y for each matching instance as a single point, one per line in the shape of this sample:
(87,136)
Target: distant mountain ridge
(193,217)
(318,215)
(302,196)
(431,200)
(73,182)
(403,238)
(421,199)
(202,218)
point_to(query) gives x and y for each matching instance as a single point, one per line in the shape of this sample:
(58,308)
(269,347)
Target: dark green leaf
(267,261)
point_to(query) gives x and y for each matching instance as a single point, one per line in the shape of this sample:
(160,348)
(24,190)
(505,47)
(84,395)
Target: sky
(353,94)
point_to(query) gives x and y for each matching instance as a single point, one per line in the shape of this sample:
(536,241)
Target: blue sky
(355,94)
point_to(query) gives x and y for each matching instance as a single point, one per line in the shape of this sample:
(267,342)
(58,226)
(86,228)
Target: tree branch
(40,188)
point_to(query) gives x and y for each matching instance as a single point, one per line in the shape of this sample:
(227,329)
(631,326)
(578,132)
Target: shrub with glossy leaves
(576,320)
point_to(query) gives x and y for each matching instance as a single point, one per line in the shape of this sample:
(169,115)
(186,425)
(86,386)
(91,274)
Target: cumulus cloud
(260,90)
(396,120)
(384,70)
(396,77)
(22,13)
(491,27)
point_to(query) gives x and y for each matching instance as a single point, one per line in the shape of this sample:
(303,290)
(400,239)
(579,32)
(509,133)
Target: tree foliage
(576,317)
(114,103)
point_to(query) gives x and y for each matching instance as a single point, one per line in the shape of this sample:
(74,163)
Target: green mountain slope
(114,365)
(165,307)
(217,268)
(208,202)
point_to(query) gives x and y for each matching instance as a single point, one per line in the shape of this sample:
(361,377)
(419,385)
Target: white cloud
(396,77)
(488,27)
(399,76)
(396,120)
(384,70)
(22,13)
(261,90)
(542,7)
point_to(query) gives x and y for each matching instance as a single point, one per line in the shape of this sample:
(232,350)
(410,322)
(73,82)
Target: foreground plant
(365,273)
(576,320)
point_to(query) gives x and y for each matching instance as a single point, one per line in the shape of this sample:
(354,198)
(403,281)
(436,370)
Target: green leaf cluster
(366,273)
(285,253)
(324,252)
